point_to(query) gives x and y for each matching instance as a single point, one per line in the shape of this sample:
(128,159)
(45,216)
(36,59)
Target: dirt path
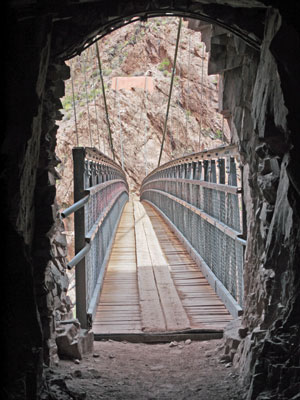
(122,370)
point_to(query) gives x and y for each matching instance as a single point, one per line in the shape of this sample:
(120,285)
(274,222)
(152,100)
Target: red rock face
(134,51)
(133,82)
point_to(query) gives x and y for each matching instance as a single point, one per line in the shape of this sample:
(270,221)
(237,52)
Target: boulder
(72,341)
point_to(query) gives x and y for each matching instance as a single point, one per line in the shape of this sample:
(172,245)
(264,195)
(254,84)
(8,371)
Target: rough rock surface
(135,50)
(72,341)
(268,352)
(263,108)
(124,371)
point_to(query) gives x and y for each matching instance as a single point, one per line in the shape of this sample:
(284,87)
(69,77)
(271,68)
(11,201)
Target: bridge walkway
(152,289)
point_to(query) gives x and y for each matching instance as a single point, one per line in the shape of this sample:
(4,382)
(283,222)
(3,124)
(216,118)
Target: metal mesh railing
(201,196)
(96,257)
(100,193)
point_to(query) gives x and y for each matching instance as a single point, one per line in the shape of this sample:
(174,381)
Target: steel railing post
(100,193)
(79,222)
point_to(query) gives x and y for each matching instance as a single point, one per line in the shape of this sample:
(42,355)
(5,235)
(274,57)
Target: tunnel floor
(123,370)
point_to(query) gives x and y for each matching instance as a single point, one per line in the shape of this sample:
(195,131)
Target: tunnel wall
(34,280)
(263,111)
(258,112)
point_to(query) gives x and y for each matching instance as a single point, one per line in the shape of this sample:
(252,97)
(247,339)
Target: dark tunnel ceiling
(76,24)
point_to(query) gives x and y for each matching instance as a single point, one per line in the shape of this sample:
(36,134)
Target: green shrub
(68,106)
(67,102)
(218,134)
(67,116)
(188,113)
(107,71)
(164,64)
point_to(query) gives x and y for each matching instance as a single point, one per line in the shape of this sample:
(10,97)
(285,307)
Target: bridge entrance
(167,266)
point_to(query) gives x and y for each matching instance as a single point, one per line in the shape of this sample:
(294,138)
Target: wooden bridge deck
(152,289)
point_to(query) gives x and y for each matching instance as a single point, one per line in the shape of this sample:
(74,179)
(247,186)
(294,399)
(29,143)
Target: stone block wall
(49,244)
(34,248)
(26,69)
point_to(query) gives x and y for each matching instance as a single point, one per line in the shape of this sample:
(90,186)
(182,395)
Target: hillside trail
(136,371)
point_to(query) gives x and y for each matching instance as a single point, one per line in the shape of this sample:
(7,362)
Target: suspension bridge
(168,264)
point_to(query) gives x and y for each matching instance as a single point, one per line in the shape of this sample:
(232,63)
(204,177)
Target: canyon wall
(137,115)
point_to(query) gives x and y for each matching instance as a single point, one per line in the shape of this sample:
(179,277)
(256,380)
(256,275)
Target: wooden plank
(118,309)
(176,318)
(202,305)
(123,316)
(151,313)
(172,309)
(152,286)
(165,337)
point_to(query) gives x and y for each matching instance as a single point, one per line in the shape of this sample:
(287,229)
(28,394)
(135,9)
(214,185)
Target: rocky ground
(122,370)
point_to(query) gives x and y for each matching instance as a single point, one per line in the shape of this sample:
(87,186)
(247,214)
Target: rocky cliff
(137,116)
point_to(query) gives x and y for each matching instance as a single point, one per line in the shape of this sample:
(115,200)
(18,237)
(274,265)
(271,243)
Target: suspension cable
(201,96)
(223,136)
(96,113)
(170,92)
(105,103)
(74,105)
(146,126)
(120,123)
(142,115)
(188,95)
(87,101)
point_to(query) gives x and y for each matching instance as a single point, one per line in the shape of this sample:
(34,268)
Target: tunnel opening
(270,171)
(139,112)
(213,132)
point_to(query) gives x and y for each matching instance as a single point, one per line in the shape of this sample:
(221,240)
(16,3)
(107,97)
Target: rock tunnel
(254,46)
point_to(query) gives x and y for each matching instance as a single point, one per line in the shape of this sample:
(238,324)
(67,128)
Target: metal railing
(200,196)
(100,194)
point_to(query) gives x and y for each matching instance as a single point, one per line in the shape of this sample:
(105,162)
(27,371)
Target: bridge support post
(79,221)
